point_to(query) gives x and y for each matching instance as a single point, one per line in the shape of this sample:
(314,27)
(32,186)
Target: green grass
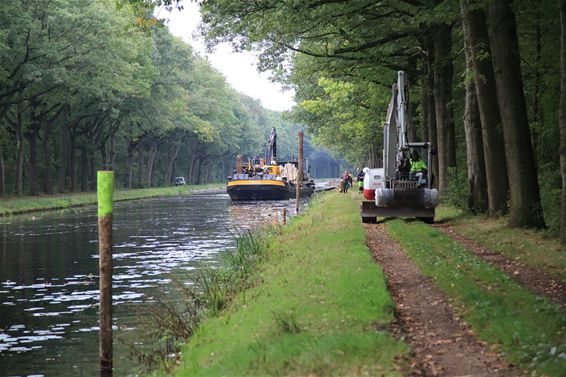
(318,304)
(535,248)
(527,329)
(15,205)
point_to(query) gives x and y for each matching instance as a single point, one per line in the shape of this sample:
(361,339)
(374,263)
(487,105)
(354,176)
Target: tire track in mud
(532,279)
(441,343)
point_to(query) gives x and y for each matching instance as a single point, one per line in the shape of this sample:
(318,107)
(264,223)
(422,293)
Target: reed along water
(49,274)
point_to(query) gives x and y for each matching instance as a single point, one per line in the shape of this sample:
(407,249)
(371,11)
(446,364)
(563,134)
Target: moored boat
(277,180)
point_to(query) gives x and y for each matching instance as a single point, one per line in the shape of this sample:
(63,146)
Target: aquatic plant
(172,320)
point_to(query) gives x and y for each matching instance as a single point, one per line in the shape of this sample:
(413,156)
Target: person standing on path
(347,181)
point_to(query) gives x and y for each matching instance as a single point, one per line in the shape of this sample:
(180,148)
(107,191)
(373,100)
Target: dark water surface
(49,274)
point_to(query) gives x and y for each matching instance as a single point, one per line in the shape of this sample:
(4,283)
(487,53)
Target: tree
(476,37)
(477,201)
(562,7)
(525,204)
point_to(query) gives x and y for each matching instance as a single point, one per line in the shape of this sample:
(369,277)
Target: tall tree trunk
(562,116)
(73,160)
(431,112)
(525,205)
(92,170)
(141,169)
(84,168)
(475,32)
(31,136)
(174,152)
(151,163)
(2,175)
(129,169)
(536,113)
(477,201)
(443,71)
(19,155)
(47,186)
(63,151)
(198,171)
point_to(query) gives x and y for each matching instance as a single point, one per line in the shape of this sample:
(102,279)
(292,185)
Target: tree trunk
(150,164)
(47,186)
(431,113)
(63,151)
(198,169)
(19,155)
(73,160)
(31,136)
(443,71)
(477,199)
(525,205)
(475,31)
(92,169)
(536,113)
(84,169)
(141,169)
(129,168)
(2,175)
(562,116)
(176,146)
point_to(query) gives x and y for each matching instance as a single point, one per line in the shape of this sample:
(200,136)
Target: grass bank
(15,205)
(536,248)
(317,304)
(527,329)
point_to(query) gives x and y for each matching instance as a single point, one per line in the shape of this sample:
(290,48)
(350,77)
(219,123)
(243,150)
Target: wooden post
(105,189)
(299,173)
(284,221)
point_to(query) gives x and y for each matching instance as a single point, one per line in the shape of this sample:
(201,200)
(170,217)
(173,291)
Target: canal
(49,274)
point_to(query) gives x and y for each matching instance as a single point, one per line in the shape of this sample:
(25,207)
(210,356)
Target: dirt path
(442,345)
(536,281)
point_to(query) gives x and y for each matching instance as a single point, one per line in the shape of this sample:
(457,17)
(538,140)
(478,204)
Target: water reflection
(49,266)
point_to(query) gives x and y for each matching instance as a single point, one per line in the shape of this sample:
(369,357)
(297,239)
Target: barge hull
(263,191)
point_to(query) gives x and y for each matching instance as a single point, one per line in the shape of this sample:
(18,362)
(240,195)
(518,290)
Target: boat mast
(273,146)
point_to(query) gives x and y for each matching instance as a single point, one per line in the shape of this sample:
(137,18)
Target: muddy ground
(441,342)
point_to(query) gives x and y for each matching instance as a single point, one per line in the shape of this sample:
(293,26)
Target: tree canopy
(102,84)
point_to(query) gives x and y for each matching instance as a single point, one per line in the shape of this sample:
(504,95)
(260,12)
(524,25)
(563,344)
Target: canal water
(49,274)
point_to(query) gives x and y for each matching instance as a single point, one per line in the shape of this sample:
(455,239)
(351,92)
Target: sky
(238,68)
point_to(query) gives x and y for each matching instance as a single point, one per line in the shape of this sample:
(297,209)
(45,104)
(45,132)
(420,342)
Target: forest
(487,85)
(88,85)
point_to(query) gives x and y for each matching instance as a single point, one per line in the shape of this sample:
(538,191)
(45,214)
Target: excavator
(405,192)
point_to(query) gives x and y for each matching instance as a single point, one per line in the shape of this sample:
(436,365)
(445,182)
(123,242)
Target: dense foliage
(484,85)
(86,85)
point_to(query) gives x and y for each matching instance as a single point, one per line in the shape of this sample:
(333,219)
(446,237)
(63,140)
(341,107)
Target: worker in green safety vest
(418,166)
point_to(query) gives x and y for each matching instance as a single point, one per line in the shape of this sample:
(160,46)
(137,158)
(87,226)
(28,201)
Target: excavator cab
(424,153)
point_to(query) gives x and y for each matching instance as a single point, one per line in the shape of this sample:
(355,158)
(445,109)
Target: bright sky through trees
(239,68)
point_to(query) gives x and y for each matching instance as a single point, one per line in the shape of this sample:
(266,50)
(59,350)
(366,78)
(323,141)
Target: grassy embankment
(15,205)
(527,329)
(317,304)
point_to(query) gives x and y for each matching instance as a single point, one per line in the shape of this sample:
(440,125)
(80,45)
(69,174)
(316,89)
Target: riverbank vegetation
(17,205)
(86,85)
(314,303)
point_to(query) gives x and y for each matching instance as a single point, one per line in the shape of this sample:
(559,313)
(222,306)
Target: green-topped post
(105,191)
